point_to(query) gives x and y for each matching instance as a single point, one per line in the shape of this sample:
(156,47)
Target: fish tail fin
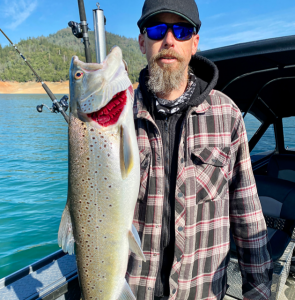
(126,293)
(65,233)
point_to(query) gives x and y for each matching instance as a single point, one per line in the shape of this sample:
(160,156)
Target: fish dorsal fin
(135,244)
(126,153)
(126,293)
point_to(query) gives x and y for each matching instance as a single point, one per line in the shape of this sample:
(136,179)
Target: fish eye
(79,75)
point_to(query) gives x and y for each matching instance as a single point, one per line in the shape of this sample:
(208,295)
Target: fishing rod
(80,30)
(60,106)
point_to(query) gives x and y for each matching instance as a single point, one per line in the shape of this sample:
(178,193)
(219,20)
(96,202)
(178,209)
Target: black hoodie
(170,127)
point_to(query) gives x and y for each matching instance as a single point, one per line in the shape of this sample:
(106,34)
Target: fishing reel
(63,103)
(76,29)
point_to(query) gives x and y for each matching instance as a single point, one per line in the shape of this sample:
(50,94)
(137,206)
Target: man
(197,182)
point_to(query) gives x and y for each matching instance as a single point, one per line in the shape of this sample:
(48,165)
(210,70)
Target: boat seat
(282,166)
(277,199)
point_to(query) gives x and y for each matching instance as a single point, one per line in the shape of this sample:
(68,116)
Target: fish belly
(101,206)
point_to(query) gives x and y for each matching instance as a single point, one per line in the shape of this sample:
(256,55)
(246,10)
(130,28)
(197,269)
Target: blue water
(33,177)
(33,180)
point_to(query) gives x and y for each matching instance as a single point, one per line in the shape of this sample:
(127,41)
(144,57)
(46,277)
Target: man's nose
(169,39)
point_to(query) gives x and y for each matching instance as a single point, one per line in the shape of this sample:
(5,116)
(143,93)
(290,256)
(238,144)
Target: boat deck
(288,292)
(55,277)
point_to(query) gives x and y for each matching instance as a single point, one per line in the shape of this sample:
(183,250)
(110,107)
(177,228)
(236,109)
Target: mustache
(165,53)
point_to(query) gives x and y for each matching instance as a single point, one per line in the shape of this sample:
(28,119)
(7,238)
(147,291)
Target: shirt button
(174,291)
(149,288)
(180,228)
(180,195)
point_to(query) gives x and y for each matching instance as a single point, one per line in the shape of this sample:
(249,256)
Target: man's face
(184,49)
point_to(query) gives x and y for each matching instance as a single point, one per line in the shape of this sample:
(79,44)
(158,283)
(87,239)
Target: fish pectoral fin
(126,293)
(135,244)
(126,154)
(65,233)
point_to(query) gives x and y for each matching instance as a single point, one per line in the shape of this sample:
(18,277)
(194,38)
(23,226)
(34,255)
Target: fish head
(99,92)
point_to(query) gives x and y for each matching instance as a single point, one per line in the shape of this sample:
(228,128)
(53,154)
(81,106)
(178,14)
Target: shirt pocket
(211,166)
(145,160)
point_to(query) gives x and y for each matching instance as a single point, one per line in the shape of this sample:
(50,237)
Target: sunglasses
(181,31)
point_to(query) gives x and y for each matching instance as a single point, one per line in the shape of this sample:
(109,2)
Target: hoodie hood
(207,76)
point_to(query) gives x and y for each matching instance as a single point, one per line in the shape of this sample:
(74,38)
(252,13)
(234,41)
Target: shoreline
(32,87)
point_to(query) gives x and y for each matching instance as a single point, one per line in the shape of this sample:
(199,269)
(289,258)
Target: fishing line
(57,106)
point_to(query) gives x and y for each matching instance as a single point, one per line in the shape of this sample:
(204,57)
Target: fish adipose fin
(126,154)
(135,244)
(65,233)
(126,293)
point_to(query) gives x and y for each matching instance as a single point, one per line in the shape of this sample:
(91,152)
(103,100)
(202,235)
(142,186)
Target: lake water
(33,177)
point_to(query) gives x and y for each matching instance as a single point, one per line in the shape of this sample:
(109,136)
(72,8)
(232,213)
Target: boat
(259,76)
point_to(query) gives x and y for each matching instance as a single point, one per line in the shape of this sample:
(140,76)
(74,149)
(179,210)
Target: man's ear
(141,42)
(196,39)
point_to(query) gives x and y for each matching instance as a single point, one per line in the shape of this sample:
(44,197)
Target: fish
(103,178)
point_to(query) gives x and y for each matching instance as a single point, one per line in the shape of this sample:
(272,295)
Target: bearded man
(197,182)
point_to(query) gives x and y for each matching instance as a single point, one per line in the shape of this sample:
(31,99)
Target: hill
(51,56)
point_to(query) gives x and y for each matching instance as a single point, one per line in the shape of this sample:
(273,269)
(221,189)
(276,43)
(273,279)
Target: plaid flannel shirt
(215,192)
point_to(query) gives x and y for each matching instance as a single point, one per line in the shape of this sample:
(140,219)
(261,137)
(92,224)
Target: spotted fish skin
(103,183)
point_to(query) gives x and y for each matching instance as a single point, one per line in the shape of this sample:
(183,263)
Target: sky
(224,22)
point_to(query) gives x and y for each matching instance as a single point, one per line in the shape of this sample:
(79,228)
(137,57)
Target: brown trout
(103,181)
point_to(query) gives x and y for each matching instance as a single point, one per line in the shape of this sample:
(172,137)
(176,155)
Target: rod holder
(99,22)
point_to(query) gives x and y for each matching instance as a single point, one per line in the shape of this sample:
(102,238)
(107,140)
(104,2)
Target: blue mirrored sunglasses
(181,31)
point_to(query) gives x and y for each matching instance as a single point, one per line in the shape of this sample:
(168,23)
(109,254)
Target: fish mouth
(110,114)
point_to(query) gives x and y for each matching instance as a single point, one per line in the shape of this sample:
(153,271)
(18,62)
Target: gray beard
(163,81)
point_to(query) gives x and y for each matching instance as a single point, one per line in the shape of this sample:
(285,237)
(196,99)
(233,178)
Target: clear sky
(224,22)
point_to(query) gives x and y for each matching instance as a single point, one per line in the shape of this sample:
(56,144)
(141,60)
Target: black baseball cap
(185,8)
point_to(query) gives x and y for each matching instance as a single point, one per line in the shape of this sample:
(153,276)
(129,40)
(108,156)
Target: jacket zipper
(167,176)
